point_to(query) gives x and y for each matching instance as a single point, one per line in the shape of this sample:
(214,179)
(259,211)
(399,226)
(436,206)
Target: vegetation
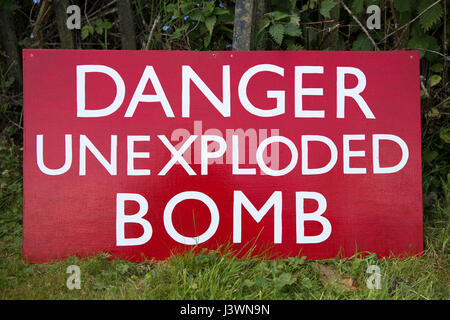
(214,275)
(208,25)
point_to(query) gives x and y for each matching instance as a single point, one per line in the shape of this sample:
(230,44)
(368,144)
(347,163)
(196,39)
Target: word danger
(223,106)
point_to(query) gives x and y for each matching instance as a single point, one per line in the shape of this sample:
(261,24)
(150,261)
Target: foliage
(9,5)
(99,27)
(282,26)
(217,274)
(199,21)
(10,161)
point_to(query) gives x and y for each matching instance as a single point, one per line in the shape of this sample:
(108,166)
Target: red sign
(146,153)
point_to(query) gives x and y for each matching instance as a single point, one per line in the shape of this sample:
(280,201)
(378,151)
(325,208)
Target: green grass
(215,275)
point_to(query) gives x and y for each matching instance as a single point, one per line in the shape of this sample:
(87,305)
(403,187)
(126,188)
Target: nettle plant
(283,24)
(283,27)
(99,27)
(206,24)
(307,23)
(333,25)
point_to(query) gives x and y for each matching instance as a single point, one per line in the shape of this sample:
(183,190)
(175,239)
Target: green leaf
(423,42)
(357,6)
(6,84)
(122,268)
(248,283)
(225,29)
(438,67)
(264,24)
(185,6)
(197,15)
(292,46)
(207,40)
(444,134)
(280,15)
(179,32)
(283,280)
(404,17)
(356,263)
(362,43)
(99,285)
(292,30)
(261,282)
(430,155)
(98,22)
(325,8)
(99,30)
(312,4)
(210,23)
(432,16)
(98,26)
(171,8)
(433,113)
(402,5)
(106,25)
(434,80)
(285,277)
(295,19)
(277,33)
(219,11)
(209,7)
(276,15)
(307,283)
(292,5)
(86,31)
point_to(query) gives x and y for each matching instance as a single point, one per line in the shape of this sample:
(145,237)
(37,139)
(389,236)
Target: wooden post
(126,24)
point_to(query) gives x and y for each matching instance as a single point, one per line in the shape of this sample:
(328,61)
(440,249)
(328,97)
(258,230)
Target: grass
(214,275)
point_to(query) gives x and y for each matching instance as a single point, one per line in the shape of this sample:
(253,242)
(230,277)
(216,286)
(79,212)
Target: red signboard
(145,153)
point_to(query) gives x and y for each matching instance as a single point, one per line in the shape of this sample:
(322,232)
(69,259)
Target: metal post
(243,25)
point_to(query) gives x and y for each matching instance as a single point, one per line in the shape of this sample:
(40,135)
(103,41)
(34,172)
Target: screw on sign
(143,154)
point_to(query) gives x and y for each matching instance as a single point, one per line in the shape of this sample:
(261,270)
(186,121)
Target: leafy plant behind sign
(99,27)
(198,23)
